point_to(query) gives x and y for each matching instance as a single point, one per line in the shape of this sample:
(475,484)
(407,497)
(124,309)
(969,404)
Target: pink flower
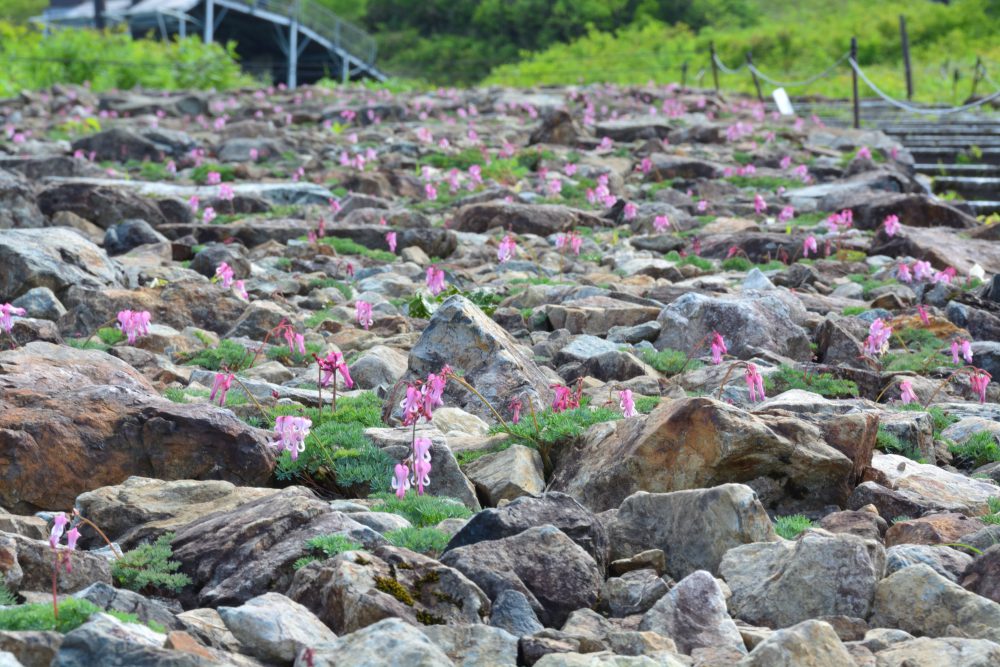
(133,324)
(194,203)
(476,174)
(962,347)
(413,405)
(786,162)
(924,317)
(906,392)
(254,154)
(844,220)
(944,276)
(332,364)
(224,272)
(606,144)
(809,245)
(171,165)
(554,187)
(291,434)
(575,242)
(922,270)
(430,192)
(507,249)
(978,381)
(213,178)
(718,347)
(631,210)
(646,165)
(390,238)
(240,290)
(421,463)
(435,280)
(661,223)
(294,340)
(72,535)
(220,386)
(864,153)
(702,206)
(891,225)
(515,408)
(787,213)
(433,393)
(570,169)
(363,313)
(226,192)
(563,398)
(877,341)
(6,310)
(58,526)
(966,349)
(755,383)
(759,205)
(626,403)
(401,480)
(209,215)
(904,274)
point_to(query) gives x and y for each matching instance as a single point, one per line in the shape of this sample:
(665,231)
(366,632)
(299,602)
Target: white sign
(784,104)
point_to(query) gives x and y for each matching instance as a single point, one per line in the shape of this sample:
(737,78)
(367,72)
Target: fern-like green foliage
(337,442)
(423,305)
(350,247)
(73,613)
(668,361)
(228,354)
(293,357)
(981,448)
(7,598)
(824,384)
(429,541)
(940,419)
(148,568)
(790,526)
(110,335)
(326,546)
(227,172)
(558,428)
(421,511)
(891,444)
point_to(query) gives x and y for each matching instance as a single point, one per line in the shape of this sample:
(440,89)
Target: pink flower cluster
(565,398)
(718,348)
(435,280)
(627,403)
(507,249)
(755,383)
(134,324)
(840,222)
(363,313)
(877,341)
(220,387)
(573,240)
(291,432)
(965,347)
(6,310)
(422,397)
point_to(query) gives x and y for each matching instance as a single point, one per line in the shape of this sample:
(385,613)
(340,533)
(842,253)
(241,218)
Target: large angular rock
(808,644)
(145,609)
(779,584)
(103,205)
(921,601)
(388,643)
(633,592)
(556,509)
(104,640)
(17,202)
(538,219)
(26,565)
(512,612)
(946,561)
(694,614)
(353,590)
(118,145)
(474,645)
(553,572)
(33,648)
(699,442)
(273,627)
(693,528)
(56,258)
(944,652)
(933,529)
(982,575)
(140,509)
(234,555)
(460,335)
(76,420)
(596,315)
(751,323)
(507,475)
(932,487)
(942,247)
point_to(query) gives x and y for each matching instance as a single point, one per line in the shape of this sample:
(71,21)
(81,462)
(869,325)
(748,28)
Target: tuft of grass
(764,182)
(428,540)
(824,384)
(293,357)
(7,598)
(891,444)
(668,361)
(339,285)
(422,511)
(851,311)
(174,394)
(692,260)
(110,335)
(789,527)
(350,247)
(226,171)
(326,546)
(980,449)
(73,612)
(228,354)
(148,568)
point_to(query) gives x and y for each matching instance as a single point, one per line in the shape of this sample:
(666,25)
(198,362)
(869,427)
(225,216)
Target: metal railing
(342,34)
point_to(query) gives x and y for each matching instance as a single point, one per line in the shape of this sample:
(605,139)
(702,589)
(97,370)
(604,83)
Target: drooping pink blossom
(945,276)
(759,205)
(627,403)
(224,273)
(133,324)
(877,341)
(891,225)
(978,381)
(924,317)
(6,311)
(966,350)
(220,386)
(208,215)
(702,206)
(515,408)
(922,270)
(421,463)
(631,210)
(332,364)
(226,192)
(809,245)
(564,398)
(786,214)
(430,192)
(413,405)
(290,433)
(72,535)
(363,313)
(59,523)
(864,153)
(507,249)
(294,340)
(554,187)
(904,274)
(390,238)
(213,178)
(718,348)
(755,383)
(786,162)
(435,280)
(401,480)
(906,393)
(661,223)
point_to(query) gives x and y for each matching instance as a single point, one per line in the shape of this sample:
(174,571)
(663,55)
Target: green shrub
(824,384)
(7,598)
(227,172)
(422,511)
(737,264)
(556,428)
(228,354)
(981,448)
(891,444)
(73,612)
(175,395)
(429,541)
(668,361)
(789,527)
(287,356)
(350,247)
(326,546)
(851,311)
(148,568)
(764,182)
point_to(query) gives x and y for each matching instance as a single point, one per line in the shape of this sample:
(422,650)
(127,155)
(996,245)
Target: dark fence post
(854,82)
(906,57)
(977,72)
(99,14)
(684,75)
(756,83)
(715,68)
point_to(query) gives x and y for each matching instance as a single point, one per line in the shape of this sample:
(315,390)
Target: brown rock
(933,529)
(26,565)
(982,576)
(861,523)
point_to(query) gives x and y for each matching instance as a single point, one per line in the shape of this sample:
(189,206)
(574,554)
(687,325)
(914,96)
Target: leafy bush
(430,541)
(7,598)
(293,357)
(556,428)
(227,172)
(824,384)
(422,511)
(668,361)
(148,568)
(423,305)
(228,354)
(981,448)
(326,546)
(891,444)
(73,612)
(790,526)
(112,59)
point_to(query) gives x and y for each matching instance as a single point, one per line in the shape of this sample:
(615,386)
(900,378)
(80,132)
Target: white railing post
(209,21)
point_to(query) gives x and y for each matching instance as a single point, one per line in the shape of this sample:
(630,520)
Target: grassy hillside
(791,39)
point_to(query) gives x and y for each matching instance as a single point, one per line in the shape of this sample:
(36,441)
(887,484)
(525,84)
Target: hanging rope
(804,82)
(940,111)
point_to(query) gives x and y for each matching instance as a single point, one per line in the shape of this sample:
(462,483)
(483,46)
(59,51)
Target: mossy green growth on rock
(395,589)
